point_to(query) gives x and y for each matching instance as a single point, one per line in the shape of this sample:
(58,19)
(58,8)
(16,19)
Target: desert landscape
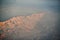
(29,27)
(29,20)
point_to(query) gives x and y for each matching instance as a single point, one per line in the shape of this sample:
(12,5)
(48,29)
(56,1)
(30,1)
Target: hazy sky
(11,8)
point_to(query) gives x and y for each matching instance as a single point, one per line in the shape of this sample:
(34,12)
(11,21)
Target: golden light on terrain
(26,23)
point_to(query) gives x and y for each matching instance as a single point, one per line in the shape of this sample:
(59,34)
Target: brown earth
(26,23)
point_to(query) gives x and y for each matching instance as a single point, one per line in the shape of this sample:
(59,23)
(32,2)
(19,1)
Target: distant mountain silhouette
(19,25)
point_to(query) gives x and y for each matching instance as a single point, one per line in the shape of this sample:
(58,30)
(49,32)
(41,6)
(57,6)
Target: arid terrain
(32,27)
(21,25)
(29,20)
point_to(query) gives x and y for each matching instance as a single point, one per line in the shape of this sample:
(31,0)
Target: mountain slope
(20,26)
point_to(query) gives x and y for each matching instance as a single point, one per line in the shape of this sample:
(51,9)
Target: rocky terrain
(39,26)
(21,24)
